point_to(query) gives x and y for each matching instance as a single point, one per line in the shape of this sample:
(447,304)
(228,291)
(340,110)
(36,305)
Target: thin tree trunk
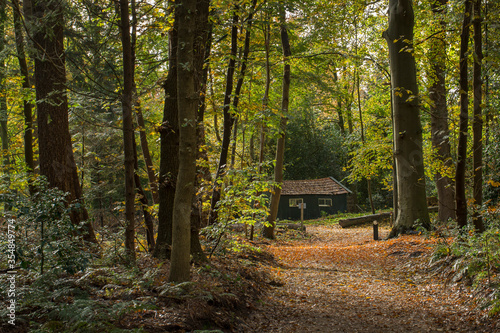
(268,230)
(241,78)
(368,180)
(477,126)
(4,135)
(214,107)
(339,107)
(412,203)
(394,170)
(153,181)
(143,199)
(440,132)
(228,120)
(461,200)
(265,105)
(27,108)
(234,143)
(57,161)
(128,130)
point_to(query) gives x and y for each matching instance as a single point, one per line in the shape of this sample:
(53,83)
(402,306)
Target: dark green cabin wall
(313,211)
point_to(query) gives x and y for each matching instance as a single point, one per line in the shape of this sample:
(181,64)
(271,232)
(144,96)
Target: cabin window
(325,202)
(295,202)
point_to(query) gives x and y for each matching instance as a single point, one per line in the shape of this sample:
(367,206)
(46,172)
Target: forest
(145,144)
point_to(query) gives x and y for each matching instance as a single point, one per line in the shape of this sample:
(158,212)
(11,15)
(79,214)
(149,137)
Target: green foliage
(473,255)
(244,200)
(314,147)
(65,303)
(45,235)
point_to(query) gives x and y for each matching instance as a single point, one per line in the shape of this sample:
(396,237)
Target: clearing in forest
(341,280)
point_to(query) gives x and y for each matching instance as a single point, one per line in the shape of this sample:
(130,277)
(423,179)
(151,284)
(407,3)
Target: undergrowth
(65,285)
(465,256)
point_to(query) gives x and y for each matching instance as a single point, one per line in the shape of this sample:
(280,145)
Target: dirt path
(340,280)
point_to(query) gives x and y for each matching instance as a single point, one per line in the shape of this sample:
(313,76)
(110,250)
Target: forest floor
(341,280)
(327,279)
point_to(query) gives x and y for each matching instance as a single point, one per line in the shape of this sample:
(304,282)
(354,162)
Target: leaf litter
(341,280)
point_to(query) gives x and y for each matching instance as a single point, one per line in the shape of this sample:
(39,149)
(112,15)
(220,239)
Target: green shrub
(45,237)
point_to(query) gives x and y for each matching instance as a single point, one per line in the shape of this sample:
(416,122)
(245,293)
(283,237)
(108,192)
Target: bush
(45,237)
(475,256)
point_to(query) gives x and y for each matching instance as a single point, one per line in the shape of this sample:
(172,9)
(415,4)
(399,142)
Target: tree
(229,119)
(169,154)
(140,119)
(4,135)
(169,163)
(460,195)
(268,230)
(57,162)
(477,125)
(128,131)
(187,100)
(412,203)
(27,108)
(440,132)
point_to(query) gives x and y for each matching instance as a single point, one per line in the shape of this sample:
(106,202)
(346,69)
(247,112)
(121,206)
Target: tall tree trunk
(153,182)
(268,231)
(241,77)
(202,47)
(169,150)
(265,106)
(440,131)
(461,200)
(4,136)
(57,162)
(477,126)
(368,180)
(228,120)
(395,204)
(412,203)
(128,130)
(187,100)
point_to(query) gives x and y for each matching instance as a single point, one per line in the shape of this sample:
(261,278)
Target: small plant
(473,255)
(45,236)
(244,202)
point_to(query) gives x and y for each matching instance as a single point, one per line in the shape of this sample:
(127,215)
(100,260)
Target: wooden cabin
(325,196)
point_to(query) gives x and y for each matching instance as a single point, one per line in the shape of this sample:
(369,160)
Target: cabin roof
(323,186)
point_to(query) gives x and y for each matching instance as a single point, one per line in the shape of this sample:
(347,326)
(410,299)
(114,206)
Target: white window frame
(327,202)
(294,202)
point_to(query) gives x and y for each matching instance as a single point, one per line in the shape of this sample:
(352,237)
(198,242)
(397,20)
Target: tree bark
(268,231)
(57,162)
(412,204)
(202,47)
(187,100)
(169,150)
(460,197)
(440,132)
(477,125)
(153,182)
(4,135)
(241,78)
(128,131)
(143,199)
(228,120)
(265,106)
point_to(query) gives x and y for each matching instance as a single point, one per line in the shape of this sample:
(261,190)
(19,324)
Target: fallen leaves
(340,280)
